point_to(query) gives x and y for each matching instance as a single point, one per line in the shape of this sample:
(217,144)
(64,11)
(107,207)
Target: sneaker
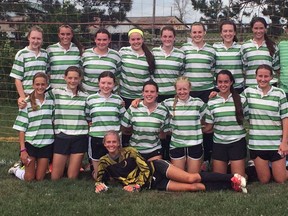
(16,166)
(239,183)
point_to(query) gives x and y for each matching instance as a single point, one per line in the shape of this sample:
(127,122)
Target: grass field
(77,197)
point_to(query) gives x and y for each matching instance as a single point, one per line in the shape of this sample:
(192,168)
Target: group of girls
(147,121)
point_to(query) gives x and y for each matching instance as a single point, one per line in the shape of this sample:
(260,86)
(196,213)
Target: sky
(163,8)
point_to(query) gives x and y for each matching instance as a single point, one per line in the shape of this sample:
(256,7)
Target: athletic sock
(215,177)
(216,186)
(19,173)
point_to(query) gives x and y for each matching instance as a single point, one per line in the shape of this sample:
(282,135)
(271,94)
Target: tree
(181,6)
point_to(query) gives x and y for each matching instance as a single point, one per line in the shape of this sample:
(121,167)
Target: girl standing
(63,54)
(36,136)
(105,110)
(225,115)
(29,61)
(259,50)
(169,62)
(228,55)
(138,66)
(98,59)
(268,130)
(70,125)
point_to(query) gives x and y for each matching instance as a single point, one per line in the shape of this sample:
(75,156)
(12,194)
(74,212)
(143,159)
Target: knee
(198,187)
(29,178)
(264,180)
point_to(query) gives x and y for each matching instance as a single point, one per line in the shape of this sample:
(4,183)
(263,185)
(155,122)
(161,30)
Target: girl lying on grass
(127,166)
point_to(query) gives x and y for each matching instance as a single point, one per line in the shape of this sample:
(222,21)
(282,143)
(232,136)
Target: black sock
(215,177)
(215,186)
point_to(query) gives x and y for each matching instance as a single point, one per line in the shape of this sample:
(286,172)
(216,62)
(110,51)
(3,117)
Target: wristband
(22,150)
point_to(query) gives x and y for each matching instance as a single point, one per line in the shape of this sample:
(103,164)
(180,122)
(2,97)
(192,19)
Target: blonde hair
(180,79)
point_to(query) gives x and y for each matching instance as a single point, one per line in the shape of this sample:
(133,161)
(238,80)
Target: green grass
(77,197)
(8,113)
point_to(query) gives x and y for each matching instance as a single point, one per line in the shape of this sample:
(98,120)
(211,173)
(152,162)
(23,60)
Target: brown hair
(35,28)
(269,43)
(264,66)
(229,22)
(149,56)
(32,95)
(79,71)
(236,97)
(74,39)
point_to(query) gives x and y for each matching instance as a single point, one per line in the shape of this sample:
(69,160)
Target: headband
(135,31)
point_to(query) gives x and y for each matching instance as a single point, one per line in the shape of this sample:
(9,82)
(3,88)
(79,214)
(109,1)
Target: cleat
(239,183)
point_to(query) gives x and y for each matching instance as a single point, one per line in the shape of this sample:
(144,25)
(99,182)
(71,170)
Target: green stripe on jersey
(265,117)
(94,64)
(146,126)
(70,115)
(221,113)
(283,80)
(199,66)
(230,59)
(168,69)
(37,125)
(105,113)
(134,72)
(253,56)
(185,121)
(59,60)
(26,65)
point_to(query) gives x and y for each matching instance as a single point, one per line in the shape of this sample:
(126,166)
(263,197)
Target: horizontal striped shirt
(27,64)
(229,58)
(253,56)
(185,121)
(199,66)
(265,117)
(59,60)
(105,113)
(94,64)
(146,126)
(134,72)
(221,113)
(283,80)
(168,68)
(70,116)
(37,124)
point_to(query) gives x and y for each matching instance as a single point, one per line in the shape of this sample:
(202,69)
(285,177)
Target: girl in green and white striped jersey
(98,59)
(228,55)
(29,61)
(138,66)
(70,125)
(268,130)
(146,121)
(169,62)
(259,50)
(225,116)
(63,54)
(186,113)
(105,110)
(36,136)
